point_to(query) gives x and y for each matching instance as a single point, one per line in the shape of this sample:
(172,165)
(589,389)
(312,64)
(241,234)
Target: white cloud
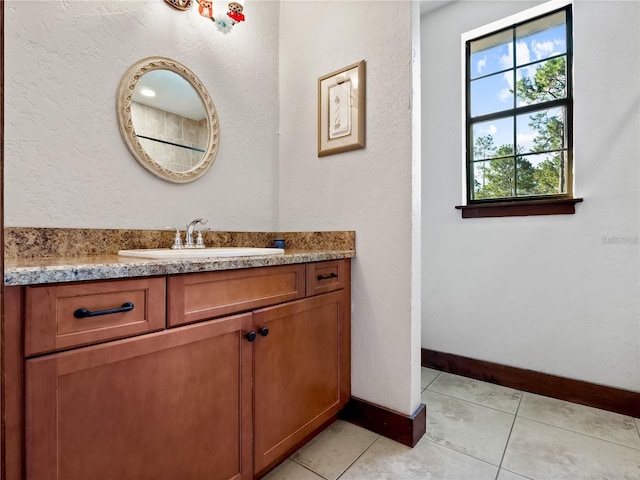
(506,60)
(560,43)
(492,129)
(508,76)
(481,64)
(505,94)
(525,140)
(523,55)
(542,49)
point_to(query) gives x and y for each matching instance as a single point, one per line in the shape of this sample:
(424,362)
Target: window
(519,112)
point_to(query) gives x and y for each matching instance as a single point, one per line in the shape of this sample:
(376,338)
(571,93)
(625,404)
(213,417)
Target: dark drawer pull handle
(84,312)
(251,336)
(264,331)
(327,277)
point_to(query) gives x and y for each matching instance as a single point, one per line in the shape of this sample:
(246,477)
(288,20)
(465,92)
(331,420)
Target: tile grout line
(315,473)
(481,406)
(474,403)
(357,458)
(515,473)
(580,433)
(462,453)
(429,384)
(305,467)
(506,445)
(566,429)
(521,392)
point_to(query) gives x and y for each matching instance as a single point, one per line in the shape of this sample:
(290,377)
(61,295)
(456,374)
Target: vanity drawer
(323,277)
(70,315)
(199,296)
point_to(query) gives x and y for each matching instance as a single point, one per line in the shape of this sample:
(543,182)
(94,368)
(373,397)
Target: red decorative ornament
(235,12)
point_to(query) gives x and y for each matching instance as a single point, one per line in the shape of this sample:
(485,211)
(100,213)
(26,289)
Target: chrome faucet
(188,241)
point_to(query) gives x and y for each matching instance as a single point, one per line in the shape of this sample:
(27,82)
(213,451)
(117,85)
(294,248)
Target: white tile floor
(476,431)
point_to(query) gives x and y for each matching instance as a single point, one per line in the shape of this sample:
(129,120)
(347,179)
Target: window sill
(564,206)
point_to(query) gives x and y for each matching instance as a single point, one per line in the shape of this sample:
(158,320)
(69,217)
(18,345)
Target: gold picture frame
(341,110)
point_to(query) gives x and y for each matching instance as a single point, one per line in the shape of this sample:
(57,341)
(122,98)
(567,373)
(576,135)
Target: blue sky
(490,91)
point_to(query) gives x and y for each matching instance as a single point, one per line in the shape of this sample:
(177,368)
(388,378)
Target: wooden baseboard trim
(407,430)
(613,399)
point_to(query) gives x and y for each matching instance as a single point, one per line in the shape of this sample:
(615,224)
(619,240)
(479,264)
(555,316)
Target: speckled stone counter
(29,242)
(72,269)
(39,256)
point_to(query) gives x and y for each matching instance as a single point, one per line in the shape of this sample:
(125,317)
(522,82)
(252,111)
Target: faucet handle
(199,240)
(177,241)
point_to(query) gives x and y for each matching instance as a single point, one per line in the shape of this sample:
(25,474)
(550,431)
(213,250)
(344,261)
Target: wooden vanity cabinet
(301,373)
(168,405)
(301,348)
(207,397)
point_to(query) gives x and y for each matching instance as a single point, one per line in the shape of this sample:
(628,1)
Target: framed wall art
(341,110)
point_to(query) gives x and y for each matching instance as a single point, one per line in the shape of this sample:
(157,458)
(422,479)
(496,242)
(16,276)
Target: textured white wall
(65,162)
(368,190)
(544,293)
(66,165)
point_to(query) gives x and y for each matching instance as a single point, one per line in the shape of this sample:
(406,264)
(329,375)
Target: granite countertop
(33,271)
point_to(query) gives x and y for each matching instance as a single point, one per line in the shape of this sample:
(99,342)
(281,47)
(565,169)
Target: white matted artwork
(341,110)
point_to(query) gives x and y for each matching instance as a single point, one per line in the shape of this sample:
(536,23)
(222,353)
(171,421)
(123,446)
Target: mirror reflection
(167,119)
(170,120)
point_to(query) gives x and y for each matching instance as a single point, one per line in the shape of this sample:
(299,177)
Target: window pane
(493,138)
(513,154)
(525,181)
(491,94)
(491,54)
(542,174)
(540,131)
(540,39)
(542,82)
(493,179)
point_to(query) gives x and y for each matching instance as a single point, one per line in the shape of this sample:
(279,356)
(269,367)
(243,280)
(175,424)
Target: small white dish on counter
(187,253)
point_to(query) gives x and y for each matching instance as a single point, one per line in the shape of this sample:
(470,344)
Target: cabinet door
(169,405)
(301,372)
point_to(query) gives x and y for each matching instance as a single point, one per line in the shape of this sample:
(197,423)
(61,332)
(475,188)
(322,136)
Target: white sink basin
(185,253)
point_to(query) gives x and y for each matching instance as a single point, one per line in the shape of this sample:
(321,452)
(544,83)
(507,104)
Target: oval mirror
(167,119)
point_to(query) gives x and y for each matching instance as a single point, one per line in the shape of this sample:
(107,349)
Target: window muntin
(520,97)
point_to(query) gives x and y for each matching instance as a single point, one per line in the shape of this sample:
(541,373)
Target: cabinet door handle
(85,312)
(264,331)
(327,277)
(251,336)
